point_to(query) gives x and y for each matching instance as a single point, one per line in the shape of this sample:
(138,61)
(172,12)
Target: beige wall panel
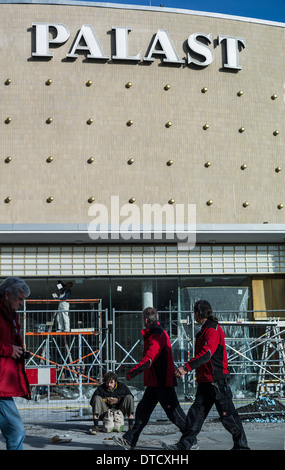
(29,180)
(268,294)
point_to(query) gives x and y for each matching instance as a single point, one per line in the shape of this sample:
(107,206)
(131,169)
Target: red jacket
(210,361)
(157,363)
(13,378)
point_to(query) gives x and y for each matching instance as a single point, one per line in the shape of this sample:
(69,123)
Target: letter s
(200,48)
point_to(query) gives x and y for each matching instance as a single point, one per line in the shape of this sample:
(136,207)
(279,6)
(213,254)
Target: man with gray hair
(13,378)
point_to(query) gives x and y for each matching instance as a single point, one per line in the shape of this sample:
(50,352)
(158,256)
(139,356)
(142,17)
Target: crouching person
(110,402)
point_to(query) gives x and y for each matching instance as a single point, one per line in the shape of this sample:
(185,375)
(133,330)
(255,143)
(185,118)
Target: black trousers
(168,399)
(208,394)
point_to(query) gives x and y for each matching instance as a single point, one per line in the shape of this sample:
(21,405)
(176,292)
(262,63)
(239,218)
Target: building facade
(115,118)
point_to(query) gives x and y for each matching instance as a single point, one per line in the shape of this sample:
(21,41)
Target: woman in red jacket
(13,379)
(158,368)
(211,366)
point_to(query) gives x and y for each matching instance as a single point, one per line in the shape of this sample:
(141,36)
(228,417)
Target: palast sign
(198,45)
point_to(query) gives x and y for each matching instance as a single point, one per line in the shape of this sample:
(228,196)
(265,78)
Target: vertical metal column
(107,340)
(113,340)
(80,371)
(100,328)
(24,323)
(47,362)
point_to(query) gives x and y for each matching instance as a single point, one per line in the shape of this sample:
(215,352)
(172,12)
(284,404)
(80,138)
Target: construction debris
(62,439)
(264,409)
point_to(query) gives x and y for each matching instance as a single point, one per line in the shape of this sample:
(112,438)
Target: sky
(272,10)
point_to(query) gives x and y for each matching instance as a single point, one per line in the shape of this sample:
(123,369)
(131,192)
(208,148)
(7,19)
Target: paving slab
(213,437)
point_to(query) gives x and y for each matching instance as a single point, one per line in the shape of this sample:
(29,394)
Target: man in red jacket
(211,366)
(159,377)
(13,379)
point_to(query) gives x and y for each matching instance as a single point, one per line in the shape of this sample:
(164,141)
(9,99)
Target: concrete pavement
(261,436)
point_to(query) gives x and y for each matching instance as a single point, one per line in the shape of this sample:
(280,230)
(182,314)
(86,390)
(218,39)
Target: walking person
(211,366)
(158,368)
(13,378)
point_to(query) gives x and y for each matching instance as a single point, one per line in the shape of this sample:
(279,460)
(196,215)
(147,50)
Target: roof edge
(147,8)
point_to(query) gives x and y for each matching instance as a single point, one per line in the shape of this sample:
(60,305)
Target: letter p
(43,39)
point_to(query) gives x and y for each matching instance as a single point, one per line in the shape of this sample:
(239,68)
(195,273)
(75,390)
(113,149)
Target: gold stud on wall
(89,121)
(241,130)
(274,97)
(49,199)
(280,206)
(245,204)
(49,120)
(207,164)
(49,81)
(278,169)
(169,163)
(91,199)
(206,126)
(204,89)
(90,160)
(243,166)
(171,201)
(132,200)
(128,85)
(168,124)
(209,203)
(8,159)
(8,120)
(276,132)
(89,83)
(131,161)
(130,123)
(8,81)
(8,199)
(49,159)
(167,87)
(240,93)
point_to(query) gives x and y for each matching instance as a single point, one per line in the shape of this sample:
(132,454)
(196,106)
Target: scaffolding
(100,340)
(76,354)
(256,354)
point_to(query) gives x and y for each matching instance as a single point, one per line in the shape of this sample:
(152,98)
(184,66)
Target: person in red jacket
(13,379)
(211,366)
(158,368)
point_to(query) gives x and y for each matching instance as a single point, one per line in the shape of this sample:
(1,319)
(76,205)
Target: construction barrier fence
(64,367)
